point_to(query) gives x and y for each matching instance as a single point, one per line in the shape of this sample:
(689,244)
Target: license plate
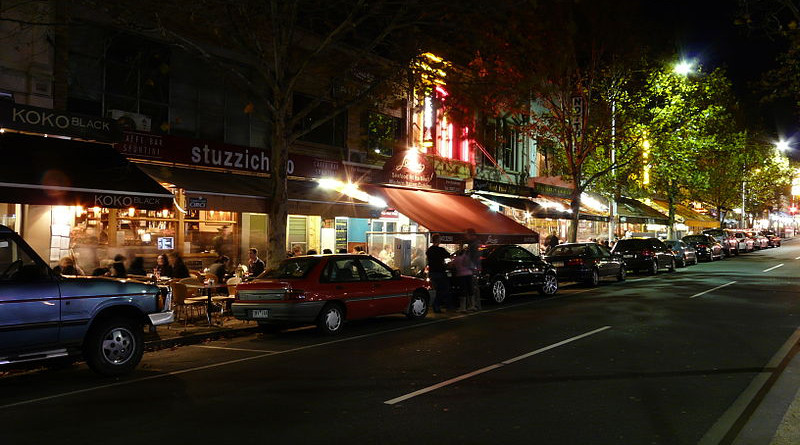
(558,264)
(259,313)
(628,256)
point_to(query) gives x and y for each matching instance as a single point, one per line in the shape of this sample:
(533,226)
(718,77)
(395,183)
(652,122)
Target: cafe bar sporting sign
(45,121)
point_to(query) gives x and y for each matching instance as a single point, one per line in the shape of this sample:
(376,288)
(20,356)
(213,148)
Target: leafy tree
(564,80)
(687,121)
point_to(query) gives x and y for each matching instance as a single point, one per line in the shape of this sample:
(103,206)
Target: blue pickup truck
(46,316)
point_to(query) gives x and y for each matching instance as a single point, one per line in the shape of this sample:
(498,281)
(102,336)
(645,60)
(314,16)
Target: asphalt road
(678,358)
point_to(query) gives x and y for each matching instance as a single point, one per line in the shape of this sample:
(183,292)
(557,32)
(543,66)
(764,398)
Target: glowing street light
(783,146)
(683,68)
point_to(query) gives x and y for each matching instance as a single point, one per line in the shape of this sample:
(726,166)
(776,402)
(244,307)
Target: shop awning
(451,214)
(215,190)
(635,212)
(559,208)
(308,198)
(688,216)
(54,171)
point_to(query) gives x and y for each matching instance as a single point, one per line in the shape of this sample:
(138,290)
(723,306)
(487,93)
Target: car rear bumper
(301,312)
(573,273)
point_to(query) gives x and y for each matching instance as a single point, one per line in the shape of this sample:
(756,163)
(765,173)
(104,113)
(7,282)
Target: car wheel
(549,284)
(671,267)
(418,308)
(114,346)
(594,278)
(653,268)
(498,289)
(622,273)
(331,319)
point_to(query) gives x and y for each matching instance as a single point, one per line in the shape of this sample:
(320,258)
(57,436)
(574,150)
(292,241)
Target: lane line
(772,268)
(232,349)
(712,290)
(736,410)
(798,258)
(491,367)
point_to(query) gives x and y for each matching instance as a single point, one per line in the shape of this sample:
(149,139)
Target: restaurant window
(297,233)
(332,132)
(383,133)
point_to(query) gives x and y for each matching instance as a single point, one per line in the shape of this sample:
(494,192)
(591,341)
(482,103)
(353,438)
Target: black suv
(648,254)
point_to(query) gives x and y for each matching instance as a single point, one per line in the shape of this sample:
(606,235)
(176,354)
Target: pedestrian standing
(461,267)
(551,241)
(474,255)
(437,272)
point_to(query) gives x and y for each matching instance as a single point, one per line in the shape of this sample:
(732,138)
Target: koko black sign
(43,120)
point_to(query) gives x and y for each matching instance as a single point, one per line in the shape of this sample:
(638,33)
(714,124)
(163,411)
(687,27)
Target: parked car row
(328,290)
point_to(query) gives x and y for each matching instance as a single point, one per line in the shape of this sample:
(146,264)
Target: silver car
(684,253)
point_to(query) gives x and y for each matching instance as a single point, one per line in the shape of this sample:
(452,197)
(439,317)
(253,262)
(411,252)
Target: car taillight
(647,253)
(702,246)
(295,294)
(574,262)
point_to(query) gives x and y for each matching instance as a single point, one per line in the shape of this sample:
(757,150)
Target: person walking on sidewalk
(435,256)
(474,255)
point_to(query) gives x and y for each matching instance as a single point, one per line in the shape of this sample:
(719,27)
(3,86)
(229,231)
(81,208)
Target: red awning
(451,214)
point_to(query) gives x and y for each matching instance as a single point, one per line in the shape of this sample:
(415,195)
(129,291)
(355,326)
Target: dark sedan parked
(706,246)
(509,269)
(648,254)
(585,262)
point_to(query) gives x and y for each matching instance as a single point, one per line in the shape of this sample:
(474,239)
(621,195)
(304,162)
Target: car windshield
(714,232)
(568,250)
(292,268)
(632,244)
(695,239)
(673,244)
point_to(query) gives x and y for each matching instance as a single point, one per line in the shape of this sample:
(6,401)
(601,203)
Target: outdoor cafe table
(207,290)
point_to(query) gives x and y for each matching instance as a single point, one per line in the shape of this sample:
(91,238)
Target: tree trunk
(575,205)
(671,213)
(278,210)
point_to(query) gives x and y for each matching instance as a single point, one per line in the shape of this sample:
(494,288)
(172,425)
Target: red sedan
(326,290)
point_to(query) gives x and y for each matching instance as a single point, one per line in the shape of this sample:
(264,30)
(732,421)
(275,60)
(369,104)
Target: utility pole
(612,202)
(741,224)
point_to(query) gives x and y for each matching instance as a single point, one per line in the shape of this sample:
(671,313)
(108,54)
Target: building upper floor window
(332,132)
(383,133)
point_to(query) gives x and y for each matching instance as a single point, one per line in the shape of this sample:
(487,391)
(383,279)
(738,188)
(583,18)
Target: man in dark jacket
(255,264)
(435,256)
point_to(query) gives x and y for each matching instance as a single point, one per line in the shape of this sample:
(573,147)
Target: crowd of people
(465,267)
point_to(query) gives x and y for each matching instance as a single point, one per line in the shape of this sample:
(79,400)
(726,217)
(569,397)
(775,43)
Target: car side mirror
(396,273)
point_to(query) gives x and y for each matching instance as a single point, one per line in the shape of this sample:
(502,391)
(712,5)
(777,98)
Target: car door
(388,293)
(342,279)
(660,250)
(517,264)
(30,309)
(607,263)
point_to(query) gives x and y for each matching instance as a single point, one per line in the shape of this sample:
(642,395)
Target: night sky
(704,30)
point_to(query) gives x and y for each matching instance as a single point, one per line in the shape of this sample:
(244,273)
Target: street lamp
(783,146)
(683,68)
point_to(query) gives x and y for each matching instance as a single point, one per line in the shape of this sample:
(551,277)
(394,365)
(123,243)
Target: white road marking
(734,412)
(492,367)
(232,349)
(711,290)
(772,268)
(798,258)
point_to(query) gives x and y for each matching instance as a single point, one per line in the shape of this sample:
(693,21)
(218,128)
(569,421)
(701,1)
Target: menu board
(341,233)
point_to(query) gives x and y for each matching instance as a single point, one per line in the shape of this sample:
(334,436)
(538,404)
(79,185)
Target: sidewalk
(197,331)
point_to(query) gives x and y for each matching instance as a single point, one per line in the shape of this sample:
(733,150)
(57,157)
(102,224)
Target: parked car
(684,253)
(328,290)
(730,244)
(585,262)
(705,246)
(649,254)
(508,269)
(744,240)
(48,316)
(759,241)
(774,239)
